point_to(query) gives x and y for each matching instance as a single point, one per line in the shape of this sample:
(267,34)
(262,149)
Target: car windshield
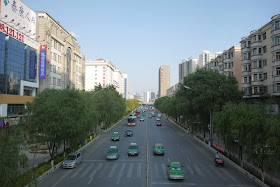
(133,147)
(116,134)
(176,169)
(71,157)
(112,151)
(158,147)
(128,131)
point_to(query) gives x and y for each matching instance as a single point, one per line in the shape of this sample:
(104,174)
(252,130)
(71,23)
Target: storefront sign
(18,15)
(43,52)
(11,32)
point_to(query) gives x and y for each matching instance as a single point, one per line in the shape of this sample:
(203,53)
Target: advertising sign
(32,63)
(43,53)
(19,16)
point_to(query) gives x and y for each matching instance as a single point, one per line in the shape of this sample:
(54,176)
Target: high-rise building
(153,96)
(125,85)
(187,67)
(19,60)
(260,53)
(65,63)
(147,96)
(164,80)
(205,57)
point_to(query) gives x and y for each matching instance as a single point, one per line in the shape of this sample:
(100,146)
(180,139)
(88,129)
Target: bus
(131,121)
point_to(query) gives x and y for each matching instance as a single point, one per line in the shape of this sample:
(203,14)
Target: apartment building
(164,80)
(105,73)
(19,57)
(205,57)
(228,63)
(147,96)
(186,67)
(65,64)
(172,90)
(261,60)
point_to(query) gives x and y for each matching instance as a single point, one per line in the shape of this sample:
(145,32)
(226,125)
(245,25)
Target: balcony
(275,48)
(256,44)
(246,85)
(275,32)
(227,69)
(256,70)
(276,78)
(256,57)
(246,73)
(276,63)
(220,63)
(257,83)
(227,60)
(214,68)
(246,49)
(246,61)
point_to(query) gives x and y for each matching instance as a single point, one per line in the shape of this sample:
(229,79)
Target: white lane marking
(232,177)
(164,170)
(120,173)
(77,171)
(95,170)
(63,177)
(198,170)
(87,170)
(168,160)
(139,170)
(197,184)
(217,172)
(103,170)
(90,180)
(129,174)
(190,169)
(134,160)
(113,170)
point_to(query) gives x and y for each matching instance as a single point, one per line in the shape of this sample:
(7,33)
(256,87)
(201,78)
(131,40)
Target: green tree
(132,104)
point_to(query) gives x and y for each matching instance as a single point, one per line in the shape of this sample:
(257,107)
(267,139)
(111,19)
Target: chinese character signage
(20,15)
(43,53)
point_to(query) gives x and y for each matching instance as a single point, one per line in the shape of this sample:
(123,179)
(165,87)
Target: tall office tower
(186,67)
(153,95)
(125,85)
(164,80)
(65,63)
(147,96)
(205,57)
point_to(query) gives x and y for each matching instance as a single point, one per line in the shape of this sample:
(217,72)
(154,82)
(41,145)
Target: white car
(141,119)
(158,119)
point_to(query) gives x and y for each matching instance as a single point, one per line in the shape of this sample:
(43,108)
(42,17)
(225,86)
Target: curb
(252,177)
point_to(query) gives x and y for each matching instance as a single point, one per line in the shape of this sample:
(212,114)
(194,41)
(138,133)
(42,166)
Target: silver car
(72,160)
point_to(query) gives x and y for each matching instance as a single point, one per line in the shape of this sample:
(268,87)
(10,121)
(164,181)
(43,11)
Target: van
(72,160)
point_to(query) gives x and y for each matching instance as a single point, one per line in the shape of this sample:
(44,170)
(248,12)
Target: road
(147,169)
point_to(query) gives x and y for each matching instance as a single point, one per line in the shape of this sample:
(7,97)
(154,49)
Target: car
(175,170)
(72,160)
(158,123)
(133,149)
(158,149)
(158,119)
(141,119)
(113,153)
(116,136)
(128,132)
(150,116)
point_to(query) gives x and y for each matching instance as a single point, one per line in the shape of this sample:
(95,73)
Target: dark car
(128,132)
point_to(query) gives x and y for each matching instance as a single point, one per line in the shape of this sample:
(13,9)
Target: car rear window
(71,157)
(176,169)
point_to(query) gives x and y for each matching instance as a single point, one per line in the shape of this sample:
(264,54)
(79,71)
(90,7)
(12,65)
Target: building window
(264,63)
(259,38)
(275,25)
(264,36)
(278,87)
(277,56)
(245,80)
(276,40)
(260,77)
(255,77)
(260,51)
(259,63)
(264,49)
(58,82)
(265,76)
(277,71)
(51,68)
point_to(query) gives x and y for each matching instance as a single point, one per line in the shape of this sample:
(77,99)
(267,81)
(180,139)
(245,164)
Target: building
(205,57)
(261,61)
(164,80)
(187,67)
(172,90)
(19,57)
(227,63)
(65,64)
(101,72)
(153,96)
(147,97)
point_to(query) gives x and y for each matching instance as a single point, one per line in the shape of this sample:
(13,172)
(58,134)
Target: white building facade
(187,67)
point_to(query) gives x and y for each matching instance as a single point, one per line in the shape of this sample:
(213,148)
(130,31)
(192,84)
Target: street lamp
(210,125)
(107,86)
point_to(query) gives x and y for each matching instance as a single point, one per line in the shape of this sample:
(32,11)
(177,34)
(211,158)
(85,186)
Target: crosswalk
(137,170)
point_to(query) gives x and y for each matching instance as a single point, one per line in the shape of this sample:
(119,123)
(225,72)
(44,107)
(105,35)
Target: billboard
(43,53)
(19,16)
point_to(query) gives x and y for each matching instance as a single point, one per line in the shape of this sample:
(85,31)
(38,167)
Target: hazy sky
(140,35)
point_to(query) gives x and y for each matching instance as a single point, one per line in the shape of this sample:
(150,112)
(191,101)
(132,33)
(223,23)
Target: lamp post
(210,114)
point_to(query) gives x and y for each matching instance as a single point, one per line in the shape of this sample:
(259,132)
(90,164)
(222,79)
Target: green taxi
(116,136)
(133,149)
(158,149)
(175,170)
(113,153)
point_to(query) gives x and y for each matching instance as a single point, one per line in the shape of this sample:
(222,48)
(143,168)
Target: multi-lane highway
(147,169)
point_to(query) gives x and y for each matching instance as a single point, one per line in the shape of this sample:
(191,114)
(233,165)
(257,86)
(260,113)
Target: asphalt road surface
(146,169)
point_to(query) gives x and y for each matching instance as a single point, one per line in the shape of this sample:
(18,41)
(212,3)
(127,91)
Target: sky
(138,36)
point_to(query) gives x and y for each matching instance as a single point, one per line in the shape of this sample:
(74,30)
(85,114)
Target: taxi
(175,171)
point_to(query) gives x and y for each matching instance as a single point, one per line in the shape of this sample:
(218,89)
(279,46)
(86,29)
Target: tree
(11,142)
